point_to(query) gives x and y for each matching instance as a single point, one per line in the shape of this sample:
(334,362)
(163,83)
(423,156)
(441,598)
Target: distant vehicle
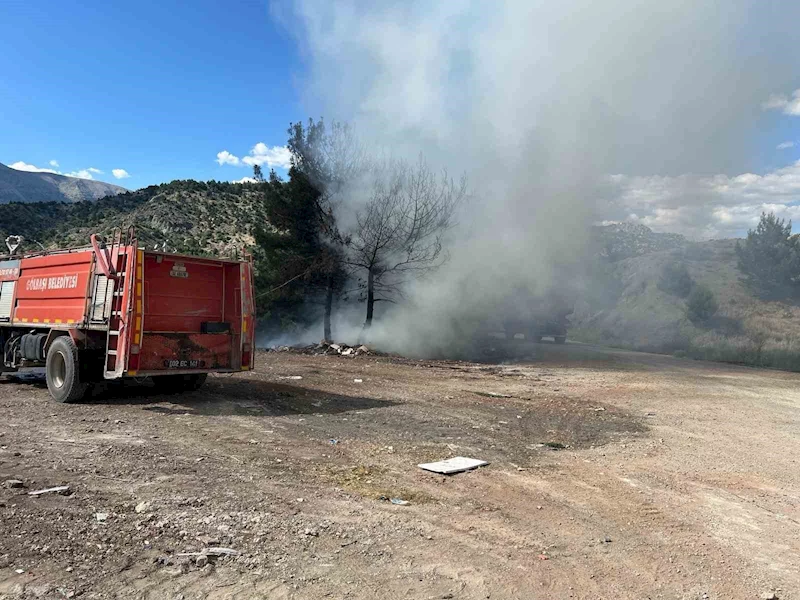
(118,311)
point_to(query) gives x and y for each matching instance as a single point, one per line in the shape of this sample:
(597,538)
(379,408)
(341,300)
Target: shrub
(701,304)
(675,280)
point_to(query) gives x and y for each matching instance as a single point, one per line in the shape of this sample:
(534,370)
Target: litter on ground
(453,465)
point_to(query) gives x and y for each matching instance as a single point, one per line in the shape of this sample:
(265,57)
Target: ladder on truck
(116,261)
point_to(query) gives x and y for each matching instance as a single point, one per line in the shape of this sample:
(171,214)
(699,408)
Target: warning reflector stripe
(133,359)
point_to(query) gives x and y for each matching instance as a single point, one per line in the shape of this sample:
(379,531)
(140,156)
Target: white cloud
(783,103)
(82,174)
(276,156)
(704,207)
(87,173)
(21,166)
(226,158)
(120,173)
(785,145)
(260,154)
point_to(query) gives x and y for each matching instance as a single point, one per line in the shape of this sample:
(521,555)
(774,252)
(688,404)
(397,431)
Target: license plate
(184,364)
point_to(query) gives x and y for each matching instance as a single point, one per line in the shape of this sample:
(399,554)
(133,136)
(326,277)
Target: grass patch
(375,483)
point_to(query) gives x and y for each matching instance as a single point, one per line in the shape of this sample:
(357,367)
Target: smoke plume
(539,103)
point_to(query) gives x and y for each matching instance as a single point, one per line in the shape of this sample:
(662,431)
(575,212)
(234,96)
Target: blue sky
(156,88)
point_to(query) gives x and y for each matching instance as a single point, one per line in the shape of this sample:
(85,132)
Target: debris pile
(324,349)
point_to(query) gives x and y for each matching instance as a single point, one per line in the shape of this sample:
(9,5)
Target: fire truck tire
(63,371)
(175,384)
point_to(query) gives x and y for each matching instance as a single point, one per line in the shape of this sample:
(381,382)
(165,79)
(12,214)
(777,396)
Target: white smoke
(538,102)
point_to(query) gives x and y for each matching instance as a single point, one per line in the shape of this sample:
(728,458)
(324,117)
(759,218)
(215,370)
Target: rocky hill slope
(23,186)
(184,216)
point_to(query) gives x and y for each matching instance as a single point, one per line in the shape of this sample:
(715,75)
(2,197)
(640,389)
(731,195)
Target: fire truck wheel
(63,372)
(175,384)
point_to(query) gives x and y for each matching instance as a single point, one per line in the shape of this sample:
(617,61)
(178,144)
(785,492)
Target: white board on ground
(453,465)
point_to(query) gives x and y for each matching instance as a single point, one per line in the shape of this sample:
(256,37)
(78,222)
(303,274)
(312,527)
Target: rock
(101,516)
(311,532)
(201,561)
(13,483)
(348,352)
(207,570)
(208,540)
(142,507)
(769,596)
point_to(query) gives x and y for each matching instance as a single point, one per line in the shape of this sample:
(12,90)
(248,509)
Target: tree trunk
(327,335)
(370,299)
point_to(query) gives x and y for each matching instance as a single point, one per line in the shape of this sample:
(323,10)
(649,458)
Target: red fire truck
(113,310)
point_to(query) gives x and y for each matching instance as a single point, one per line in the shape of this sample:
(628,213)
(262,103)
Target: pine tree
(769,257)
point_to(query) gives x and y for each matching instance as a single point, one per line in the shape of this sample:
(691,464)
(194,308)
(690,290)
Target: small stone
(310,532)
(13,483)
(605,540)
(201,561)
(142,507)
(769,596)
(207,570)
(184,565)
(101,516)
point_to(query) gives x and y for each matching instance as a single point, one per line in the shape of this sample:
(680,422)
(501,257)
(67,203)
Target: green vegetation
(770,258)
(701,304)
(675,279)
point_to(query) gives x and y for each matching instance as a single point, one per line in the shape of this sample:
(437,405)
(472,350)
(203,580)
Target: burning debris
(325,349)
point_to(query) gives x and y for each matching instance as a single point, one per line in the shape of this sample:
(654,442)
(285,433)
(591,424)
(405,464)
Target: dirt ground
(611,475)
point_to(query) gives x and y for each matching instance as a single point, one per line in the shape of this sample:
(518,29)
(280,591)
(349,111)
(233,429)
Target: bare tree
(331,157)
(399,232)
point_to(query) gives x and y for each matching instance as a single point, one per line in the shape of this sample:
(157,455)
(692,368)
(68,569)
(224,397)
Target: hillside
(23,186)
(745,329)
(625,240)
(187,216)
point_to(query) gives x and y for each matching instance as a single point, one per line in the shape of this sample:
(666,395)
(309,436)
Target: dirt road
(612,475)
